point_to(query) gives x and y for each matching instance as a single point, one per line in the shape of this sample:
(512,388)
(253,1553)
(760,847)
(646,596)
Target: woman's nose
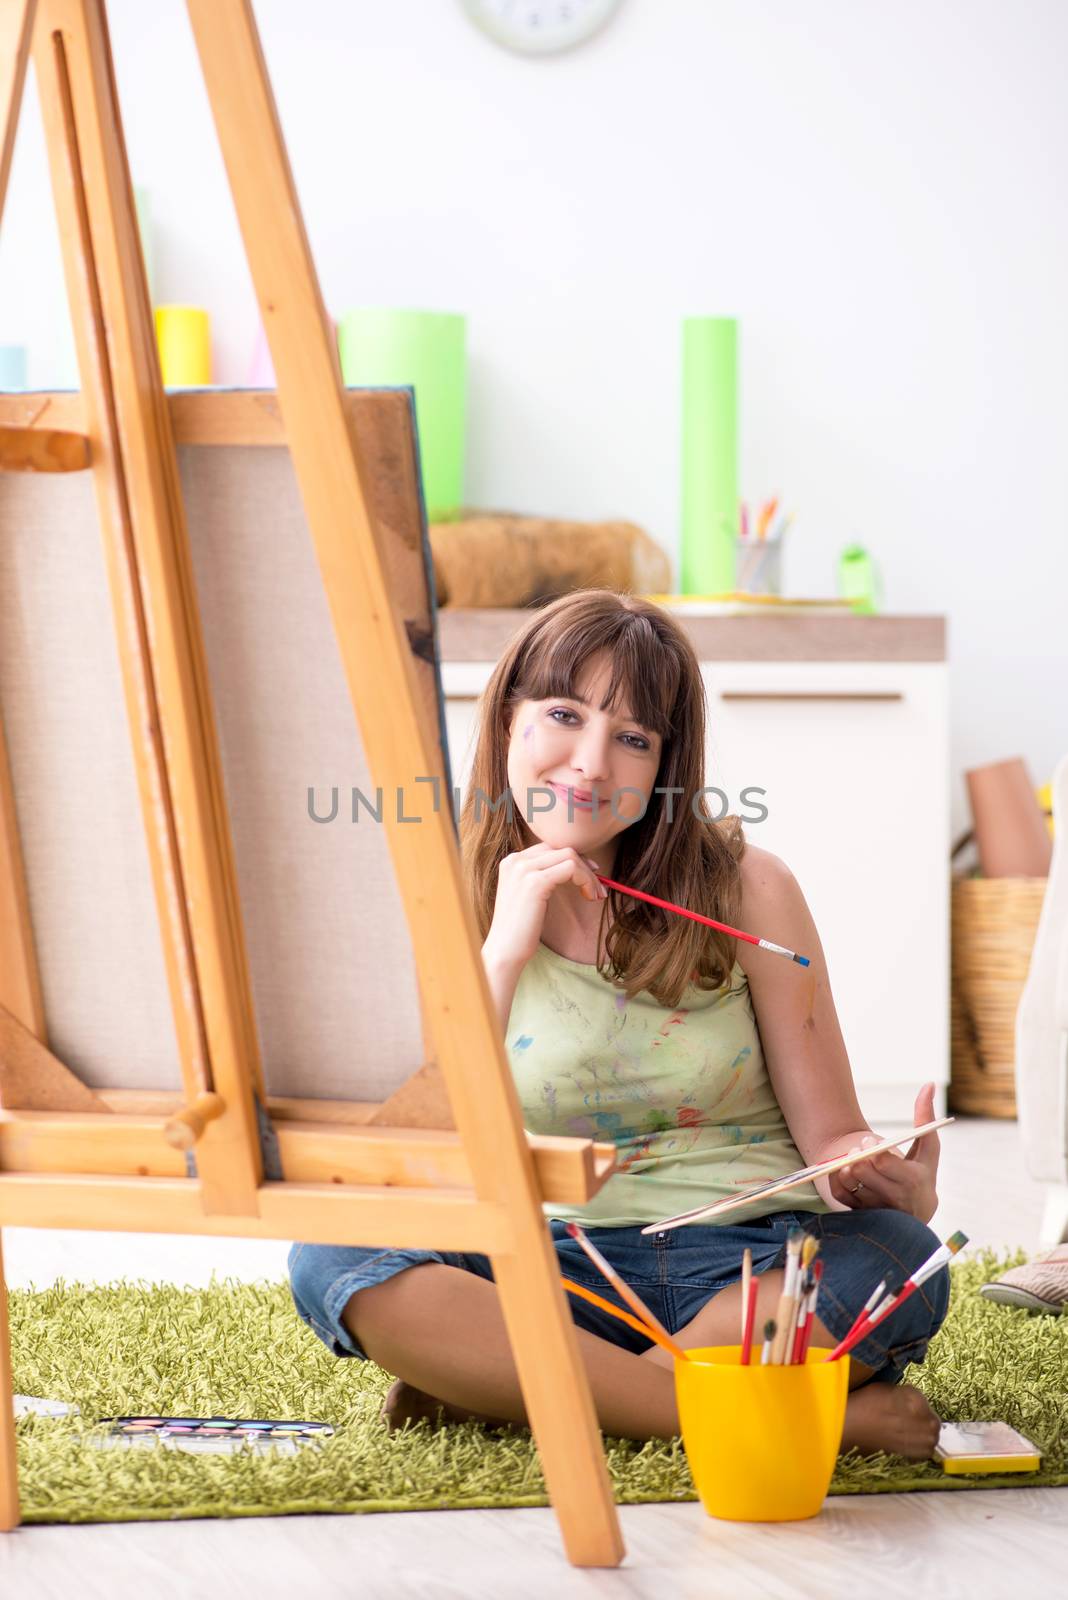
(591,755)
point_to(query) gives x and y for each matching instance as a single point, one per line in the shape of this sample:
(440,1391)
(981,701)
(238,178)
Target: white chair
(1042,1036)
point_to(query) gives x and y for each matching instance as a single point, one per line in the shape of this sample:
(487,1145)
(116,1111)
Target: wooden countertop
(482,636)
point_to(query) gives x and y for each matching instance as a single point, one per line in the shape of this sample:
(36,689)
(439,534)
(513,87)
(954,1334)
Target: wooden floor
(967,1545)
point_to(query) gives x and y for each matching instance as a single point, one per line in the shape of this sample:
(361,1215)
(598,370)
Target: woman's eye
(635,740)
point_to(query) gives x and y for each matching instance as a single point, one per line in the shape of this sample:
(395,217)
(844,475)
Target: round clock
(540,27)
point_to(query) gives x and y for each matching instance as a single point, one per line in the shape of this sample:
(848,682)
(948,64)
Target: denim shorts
(676,1273)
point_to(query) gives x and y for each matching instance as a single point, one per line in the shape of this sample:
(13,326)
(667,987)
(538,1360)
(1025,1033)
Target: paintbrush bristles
(808,1250)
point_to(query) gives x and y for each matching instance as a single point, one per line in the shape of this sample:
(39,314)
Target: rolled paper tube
(12,366)
(261,367)
(709,454)
(261,373)
(1010,830)
(184,1129)
(426,350)
(183,334)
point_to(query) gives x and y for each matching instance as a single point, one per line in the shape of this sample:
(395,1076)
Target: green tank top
(683,1095)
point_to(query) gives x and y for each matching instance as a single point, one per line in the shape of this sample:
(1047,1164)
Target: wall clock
(540,27)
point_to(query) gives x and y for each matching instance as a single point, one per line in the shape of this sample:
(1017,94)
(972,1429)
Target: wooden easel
(71,1156)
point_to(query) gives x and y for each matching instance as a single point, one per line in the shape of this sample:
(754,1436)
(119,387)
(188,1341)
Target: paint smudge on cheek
(528,730)
(524,1041)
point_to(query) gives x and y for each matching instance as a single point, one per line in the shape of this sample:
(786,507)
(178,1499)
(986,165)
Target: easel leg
(559,1404)
(335,500)
(9,1479)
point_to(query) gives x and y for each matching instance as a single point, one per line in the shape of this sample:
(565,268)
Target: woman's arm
(806,1054)
(503,977)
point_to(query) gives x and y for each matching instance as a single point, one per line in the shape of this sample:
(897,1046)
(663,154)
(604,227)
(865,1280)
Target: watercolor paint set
(214,1435)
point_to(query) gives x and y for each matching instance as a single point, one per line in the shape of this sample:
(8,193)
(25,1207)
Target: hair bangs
(644,679)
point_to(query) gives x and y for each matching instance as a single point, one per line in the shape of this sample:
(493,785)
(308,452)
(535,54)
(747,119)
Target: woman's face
(565,754)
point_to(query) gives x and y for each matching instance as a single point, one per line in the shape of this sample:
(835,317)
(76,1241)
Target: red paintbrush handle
(709,922)
(668,905)
(910,1288)
(855,1335)
(750,1318)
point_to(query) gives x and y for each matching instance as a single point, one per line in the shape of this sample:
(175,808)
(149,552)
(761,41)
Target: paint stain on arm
(809,1023)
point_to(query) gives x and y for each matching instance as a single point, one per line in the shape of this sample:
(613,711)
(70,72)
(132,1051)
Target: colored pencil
(766,514)
(624,1316)
(709,922)
(625,1292)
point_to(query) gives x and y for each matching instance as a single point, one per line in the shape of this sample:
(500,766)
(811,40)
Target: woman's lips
(562,790)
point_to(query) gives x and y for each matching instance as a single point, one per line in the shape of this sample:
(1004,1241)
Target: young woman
(710,1063)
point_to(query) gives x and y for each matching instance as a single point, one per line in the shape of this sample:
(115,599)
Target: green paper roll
(183,334)
(425,349)
(709,454)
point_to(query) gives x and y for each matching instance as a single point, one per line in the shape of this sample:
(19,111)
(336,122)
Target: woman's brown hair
(692,860)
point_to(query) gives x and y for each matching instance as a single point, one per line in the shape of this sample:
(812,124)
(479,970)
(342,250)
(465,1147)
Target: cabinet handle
(811,694)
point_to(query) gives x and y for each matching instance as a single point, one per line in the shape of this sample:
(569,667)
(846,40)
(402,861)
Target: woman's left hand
(890,1180)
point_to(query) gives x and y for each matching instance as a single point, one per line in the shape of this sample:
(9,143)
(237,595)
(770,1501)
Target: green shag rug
(241,1351)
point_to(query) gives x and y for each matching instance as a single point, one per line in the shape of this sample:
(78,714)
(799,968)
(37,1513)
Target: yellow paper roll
(183,334)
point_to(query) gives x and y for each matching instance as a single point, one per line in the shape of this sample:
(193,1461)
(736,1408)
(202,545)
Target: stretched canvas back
(334,986)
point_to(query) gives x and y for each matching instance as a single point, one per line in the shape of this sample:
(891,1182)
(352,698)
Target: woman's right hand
(526,880)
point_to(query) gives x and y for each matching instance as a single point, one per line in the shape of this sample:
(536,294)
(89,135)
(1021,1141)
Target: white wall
(875,190)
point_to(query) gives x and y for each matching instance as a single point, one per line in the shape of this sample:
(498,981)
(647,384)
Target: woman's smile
(582,800)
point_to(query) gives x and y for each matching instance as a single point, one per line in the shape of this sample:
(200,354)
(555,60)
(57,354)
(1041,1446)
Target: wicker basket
(993,930)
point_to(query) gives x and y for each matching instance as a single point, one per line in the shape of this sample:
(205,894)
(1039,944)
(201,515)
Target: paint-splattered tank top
(684,1095)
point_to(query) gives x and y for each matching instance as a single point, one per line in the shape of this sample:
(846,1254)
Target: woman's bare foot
(404,1403)
(879,1416)
(893,1417)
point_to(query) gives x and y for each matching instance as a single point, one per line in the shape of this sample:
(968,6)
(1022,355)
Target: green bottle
(858,579)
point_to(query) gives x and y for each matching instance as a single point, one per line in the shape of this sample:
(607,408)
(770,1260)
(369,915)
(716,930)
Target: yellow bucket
(761,1441)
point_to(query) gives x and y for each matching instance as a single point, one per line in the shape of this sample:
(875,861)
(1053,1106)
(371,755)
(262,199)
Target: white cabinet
(852,759)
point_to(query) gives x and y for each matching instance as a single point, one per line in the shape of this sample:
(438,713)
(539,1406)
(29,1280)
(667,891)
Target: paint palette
(214,1435)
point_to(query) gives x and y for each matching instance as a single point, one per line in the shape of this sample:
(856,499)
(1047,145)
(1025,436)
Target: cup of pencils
(758,552)
(762,1423)
(761,1440)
